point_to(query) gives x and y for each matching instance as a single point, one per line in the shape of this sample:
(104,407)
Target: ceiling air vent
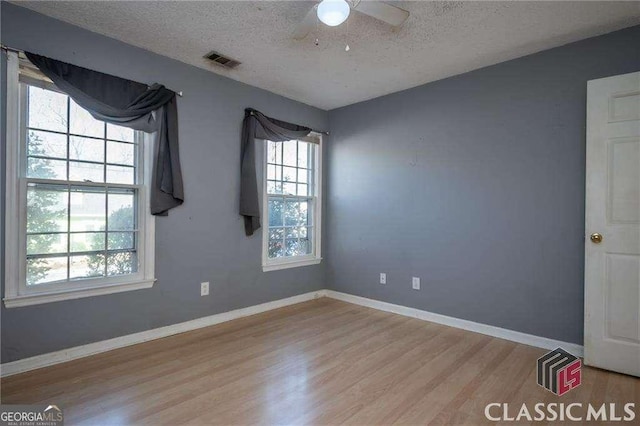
(222,60)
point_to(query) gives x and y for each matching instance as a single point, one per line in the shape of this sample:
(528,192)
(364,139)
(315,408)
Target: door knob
(596,238)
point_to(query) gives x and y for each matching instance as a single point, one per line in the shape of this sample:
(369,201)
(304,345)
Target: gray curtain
(258,126)
(130,104)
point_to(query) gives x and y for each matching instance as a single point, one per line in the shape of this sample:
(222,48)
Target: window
(292,203)
(77,187)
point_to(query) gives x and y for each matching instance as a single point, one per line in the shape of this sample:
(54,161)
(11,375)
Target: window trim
(16,293)
(297,261)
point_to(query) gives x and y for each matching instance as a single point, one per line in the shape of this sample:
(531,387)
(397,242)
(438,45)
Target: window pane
(121,153)
(303,154)
(41,168)
(121,174)
(46,243)
(289,154)
(47,109)
(121,240)
(122,263)
(122,213)
(289,174)
(295,213)
(46,144)
(45,270)
(276,234)
(274,187)
(276,249)
(275,212)
(303,175)
(87,241)
(296,248)
(86,149)
(289,188)
(120,133)
(274,152)
(86,266)
(88,209)
(296,232)
(303,189)
(82,123)
(304,246)
(46,208)
(86,172)
(271,172)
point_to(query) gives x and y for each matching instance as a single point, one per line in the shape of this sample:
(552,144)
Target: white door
(612,244)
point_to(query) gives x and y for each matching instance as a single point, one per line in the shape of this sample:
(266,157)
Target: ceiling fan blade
(384,12)
(307,24)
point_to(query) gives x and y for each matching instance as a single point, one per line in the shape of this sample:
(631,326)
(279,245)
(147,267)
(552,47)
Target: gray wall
(475,184)
(201,241)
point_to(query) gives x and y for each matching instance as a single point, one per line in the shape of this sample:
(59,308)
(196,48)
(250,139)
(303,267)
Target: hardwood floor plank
(322,362)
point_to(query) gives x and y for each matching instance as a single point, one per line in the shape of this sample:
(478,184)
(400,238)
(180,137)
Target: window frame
(17,293)
(316,256)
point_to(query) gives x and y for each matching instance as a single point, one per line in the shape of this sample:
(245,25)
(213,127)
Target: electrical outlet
(383,278)
(415,283)
(204,289)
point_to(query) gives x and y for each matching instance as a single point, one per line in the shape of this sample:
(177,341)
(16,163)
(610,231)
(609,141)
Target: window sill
(56,296)
(276,266)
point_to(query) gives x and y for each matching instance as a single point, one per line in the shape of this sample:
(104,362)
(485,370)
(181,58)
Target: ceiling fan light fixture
(333,12)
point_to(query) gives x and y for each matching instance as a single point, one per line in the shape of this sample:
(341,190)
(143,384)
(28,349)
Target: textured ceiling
(439,39)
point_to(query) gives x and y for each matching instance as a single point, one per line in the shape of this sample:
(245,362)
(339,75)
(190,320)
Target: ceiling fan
(335,12)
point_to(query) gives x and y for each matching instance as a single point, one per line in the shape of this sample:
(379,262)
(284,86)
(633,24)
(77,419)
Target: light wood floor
(318,362)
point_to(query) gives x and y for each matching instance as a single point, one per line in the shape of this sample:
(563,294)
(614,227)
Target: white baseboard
(65,355)
(45,360)
(490,330)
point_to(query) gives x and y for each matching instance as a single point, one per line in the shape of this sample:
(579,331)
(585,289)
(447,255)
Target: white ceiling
(439,39)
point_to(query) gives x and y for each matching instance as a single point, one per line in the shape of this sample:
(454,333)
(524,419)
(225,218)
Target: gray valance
(258,126)
(130,104)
